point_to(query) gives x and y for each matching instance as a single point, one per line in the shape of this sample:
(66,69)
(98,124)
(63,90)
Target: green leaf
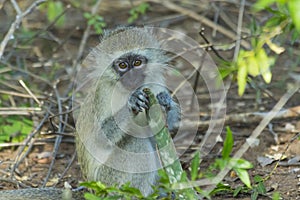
(242,74)
(276,196)
(295,36)
(87,15)
(221,163)
(244,176)
(132,18)
(51,12)
(252,66)
(90,196)
(261,188)
(228,144)
(132,11)
(143,8)
(262,4)
(258,179)
(96,21)
(136,11)
(237,191)
(15,128)
(12,129)
(274,21)
(224,72)
(294,8)
(4,138)
(195,166)
(241,163)
(131,190)
(254,195)
(265,63)
(221,188)
(254,27)
(164,178)
(27,126)
(55,8)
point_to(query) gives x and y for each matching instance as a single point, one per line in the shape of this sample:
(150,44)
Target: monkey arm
(131,119)
(139,102)
(125,125)
(171,108)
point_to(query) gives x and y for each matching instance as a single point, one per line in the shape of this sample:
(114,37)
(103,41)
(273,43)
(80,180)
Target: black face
(128,62)
(131,68)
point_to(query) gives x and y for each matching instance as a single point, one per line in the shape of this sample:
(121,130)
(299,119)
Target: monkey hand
(138,101)
(172,109)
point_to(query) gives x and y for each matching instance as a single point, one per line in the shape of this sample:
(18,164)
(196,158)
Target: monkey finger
(142,105)
(143,98)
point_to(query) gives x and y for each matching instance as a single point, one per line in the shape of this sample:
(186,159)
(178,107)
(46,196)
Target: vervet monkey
(114,143)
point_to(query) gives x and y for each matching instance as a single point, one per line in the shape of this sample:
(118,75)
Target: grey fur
(114,144)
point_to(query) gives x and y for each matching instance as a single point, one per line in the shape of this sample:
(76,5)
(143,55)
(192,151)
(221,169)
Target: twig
(282,156)
(67,168)
(243,118)
(4,70)
(29,92)
(38,141)
(15,25)
(193,72)
(257,131)
(18,94)
(49,26)
(216,18)
(239,31)
(209,141)
(11,86)
(2,145)
(64,41)
(212,47)
(16,7)
(26,72)
(58,137)
(86,35)
(17,183)
(200,18)
(20,111)
(18,160)
(227,19)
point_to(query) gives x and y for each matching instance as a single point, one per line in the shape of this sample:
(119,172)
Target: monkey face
(131,70)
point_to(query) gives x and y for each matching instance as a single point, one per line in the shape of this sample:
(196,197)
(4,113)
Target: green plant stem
(166,148)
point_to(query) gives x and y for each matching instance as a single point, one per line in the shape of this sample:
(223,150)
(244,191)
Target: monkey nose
(133,79)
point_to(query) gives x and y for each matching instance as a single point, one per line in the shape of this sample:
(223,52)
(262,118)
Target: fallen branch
(243,118)
(20,111)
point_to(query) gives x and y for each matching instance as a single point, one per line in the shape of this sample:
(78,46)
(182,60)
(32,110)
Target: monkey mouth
(133,79)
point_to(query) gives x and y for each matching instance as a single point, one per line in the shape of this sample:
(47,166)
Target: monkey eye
(123,65)
(137,63)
